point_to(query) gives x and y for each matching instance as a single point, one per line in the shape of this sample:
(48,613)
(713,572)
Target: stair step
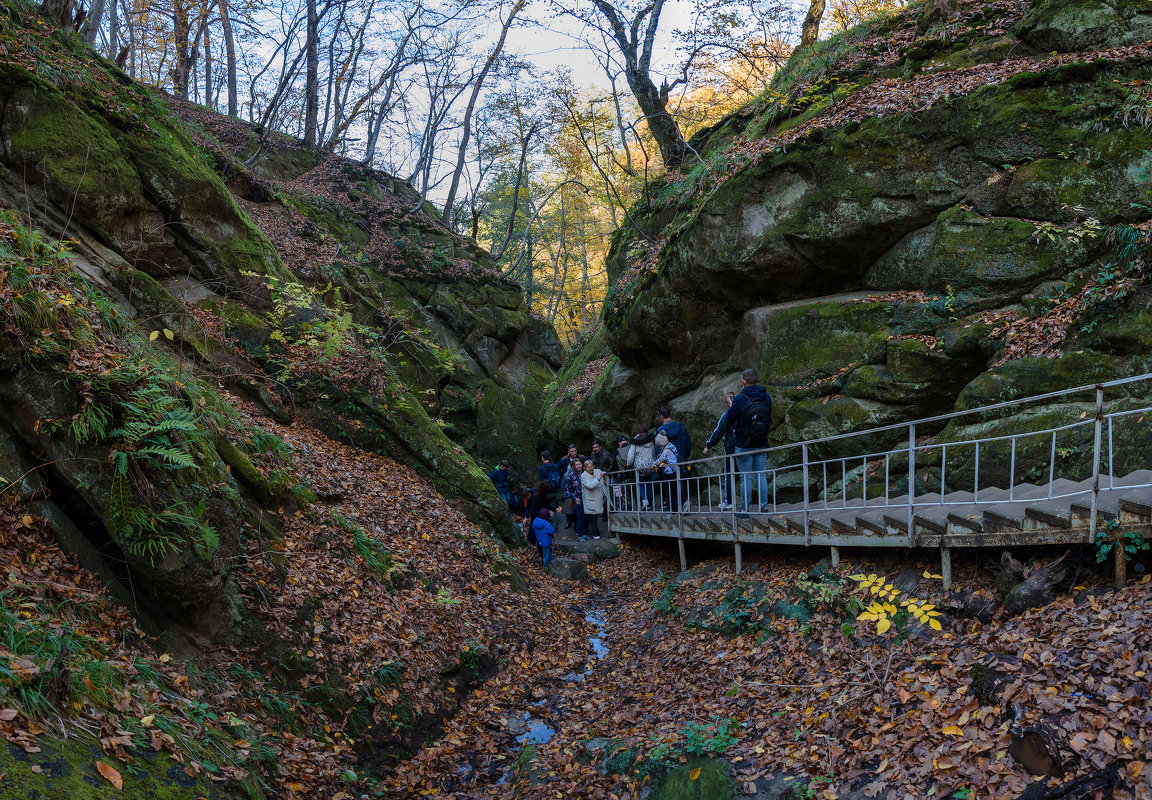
(960,520)
(1137,505)
(1050,513)
(1006,517)
(871,524)
(1104,509)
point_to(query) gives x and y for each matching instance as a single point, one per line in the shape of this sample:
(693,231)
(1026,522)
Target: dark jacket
(542,474)
(678,435)
(731,418)
(499,478)
(539,500)
(721,432)
(605,461)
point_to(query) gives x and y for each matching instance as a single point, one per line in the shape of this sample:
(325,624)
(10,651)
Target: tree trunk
(62,12)
(653,101)
(312,77)
(811,30)
(476,87)
(208,99)
(92,24)
(229,55)
(183,60)
(113,29)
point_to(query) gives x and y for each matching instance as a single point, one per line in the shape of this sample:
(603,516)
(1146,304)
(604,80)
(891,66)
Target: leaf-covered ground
(384,617)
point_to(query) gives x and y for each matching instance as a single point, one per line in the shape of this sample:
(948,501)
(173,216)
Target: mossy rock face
(817,418)
(67,769)
(801,342)
(1072,25)
(149,194)
(183,574)
(711,782)
(982,201)
(993,256)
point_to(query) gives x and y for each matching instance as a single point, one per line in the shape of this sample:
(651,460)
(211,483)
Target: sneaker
(686,507)
(724,507)
(595,537)
(644,506)
(764,509)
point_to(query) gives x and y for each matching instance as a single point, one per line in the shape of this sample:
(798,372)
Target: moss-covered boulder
(966,217)
(1072,25)
(109,159)
(699,779)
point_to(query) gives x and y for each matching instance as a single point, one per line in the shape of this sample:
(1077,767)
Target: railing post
(804,459)
(729,470)
(911,478)
(1098,426)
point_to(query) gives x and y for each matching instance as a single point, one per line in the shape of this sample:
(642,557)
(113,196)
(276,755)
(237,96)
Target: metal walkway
(1056,484)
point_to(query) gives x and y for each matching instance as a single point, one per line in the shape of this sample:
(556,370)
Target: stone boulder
(590,551)
(570,569)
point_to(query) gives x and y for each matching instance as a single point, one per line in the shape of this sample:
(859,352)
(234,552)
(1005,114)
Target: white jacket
(593,492)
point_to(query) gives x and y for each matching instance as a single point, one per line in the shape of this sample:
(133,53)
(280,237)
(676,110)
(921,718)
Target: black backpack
(755,422)
(553,473)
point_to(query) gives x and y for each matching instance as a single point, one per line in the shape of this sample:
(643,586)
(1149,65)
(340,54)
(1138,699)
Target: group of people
(583,488)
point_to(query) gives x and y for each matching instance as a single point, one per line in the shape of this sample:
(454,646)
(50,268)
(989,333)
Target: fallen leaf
(110,774)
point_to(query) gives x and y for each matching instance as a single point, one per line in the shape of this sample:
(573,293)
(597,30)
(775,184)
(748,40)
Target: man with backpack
(549,472)
(750,419)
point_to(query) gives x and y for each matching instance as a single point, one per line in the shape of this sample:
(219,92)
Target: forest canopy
(534,124)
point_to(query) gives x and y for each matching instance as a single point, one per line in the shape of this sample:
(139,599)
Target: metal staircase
(1031,484)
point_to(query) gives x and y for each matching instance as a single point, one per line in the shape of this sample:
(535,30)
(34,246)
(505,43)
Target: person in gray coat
(593,482)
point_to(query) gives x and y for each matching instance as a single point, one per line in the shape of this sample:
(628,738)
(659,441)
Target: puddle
(539,732)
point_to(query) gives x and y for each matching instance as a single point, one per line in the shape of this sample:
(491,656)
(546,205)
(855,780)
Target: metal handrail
(941,417)
(684,488)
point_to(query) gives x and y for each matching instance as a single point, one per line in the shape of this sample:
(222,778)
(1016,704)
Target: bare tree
(477,85)
(229,53)
(634,42)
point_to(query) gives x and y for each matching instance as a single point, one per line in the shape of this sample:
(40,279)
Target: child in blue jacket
(542,527)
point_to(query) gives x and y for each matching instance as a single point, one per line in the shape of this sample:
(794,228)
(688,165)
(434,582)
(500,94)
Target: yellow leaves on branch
(884,608)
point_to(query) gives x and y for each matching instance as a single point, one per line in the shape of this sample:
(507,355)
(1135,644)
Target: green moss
(711,782)
(67,769)
(814,341)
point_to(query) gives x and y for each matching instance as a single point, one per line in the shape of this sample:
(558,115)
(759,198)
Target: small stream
(534,730)
(530,727)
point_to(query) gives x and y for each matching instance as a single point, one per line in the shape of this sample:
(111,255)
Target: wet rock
(1096,591)
(571,569)
(779,787)
(654,633)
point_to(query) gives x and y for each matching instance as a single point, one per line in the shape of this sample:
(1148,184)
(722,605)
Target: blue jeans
(730,473)
(748,464)
(581,520)
(546,553)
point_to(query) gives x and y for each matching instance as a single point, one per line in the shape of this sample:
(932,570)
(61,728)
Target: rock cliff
(162,266)
(942,208)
